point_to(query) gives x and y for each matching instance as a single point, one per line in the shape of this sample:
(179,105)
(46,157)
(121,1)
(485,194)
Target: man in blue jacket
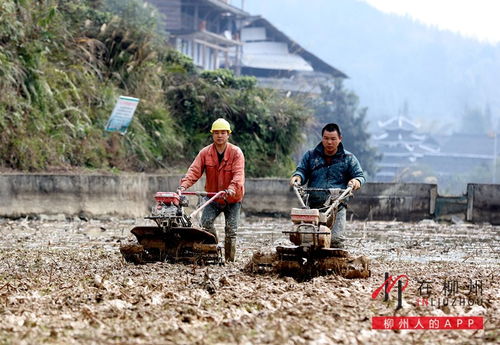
(329,166)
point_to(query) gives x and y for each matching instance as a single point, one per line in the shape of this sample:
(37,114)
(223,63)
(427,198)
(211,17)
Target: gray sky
(477,19)
(472,18)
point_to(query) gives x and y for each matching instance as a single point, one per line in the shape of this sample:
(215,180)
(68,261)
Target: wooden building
(216,34)
(205,30)
(280,62)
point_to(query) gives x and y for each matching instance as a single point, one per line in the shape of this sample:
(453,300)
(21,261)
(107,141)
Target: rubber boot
(229,249)
(337,243)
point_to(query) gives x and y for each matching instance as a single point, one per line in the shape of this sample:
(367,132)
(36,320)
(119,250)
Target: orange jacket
(229,174)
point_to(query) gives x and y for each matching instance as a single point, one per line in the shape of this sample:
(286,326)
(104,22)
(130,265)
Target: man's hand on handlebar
(180,189)
(295,180)
(230,192)
(354,184)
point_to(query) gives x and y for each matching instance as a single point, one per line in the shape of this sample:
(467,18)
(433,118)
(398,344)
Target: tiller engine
(311,255)
(174,238)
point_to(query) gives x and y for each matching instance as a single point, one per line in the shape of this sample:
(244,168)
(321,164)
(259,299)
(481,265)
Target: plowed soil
(64,282)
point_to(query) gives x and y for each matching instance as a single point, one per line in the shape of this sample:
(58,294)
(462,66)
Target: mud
(64,282)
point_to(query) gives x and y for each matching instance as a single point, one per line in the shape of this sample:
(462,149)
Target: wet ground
(64,282)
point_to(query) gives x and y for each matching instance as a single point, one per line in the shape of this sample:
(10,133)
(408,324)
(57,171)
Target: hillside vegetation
(63,65)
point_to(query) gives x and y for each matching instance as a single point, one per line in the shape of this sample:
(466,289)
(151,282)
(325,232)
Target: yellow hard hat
(220,125)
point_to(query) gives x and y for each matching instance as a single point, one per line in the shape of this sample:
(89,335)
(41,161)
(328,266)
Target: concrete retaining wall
(269,196)
(132,196)
(483,203)
(381,201)
(388,201)
(89,195)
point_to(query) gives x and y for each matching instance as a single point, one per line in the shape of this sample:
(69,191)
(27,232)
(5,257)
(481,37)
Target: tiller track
(174,238)
(311,254)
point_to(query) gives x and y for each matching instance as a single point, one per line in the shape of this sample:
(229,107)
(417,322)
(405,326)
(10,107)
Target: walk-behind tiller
(311,255)
(174,238)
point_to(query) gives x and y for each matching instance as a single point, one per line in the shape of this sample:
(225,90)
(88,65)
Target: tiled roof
(399,123)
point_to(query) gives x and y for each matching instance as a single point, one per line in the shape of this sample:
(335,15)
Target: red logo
(389,284)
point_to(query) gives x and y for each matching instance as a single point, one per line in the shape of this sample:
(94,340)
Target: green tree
(341,106)
(266,125)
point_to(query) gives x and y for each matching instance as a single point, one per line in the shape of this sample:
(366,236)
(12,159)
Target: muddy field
(64,282)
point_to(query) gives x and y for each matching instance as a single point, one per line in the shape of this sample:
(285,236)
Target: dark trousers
(231,214)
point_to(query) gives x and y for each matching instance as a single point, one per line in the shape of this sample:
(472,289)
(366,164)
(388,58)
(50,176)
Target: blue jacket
(314,171)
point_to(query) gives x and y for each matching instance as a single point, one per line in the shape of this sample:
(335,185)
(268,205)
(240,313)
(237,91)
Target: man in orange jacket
(224,167)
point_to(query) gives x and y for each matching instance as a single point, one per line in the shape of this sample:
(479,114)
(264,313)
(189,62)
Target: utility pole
(494,179)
